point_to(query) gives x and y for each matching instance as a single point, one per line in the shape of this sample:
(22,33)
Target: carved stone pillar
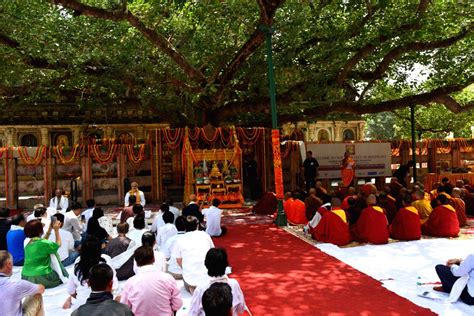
(12,184)
(76,135)
(140,132)
(108,132)
(361,131)
(44,136)
(337,132)
(121,175)
(10,136)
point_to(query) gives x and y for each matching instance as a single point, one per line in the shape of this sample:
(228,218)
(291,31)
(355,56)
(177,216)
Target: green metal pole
(281,216)
(413,140)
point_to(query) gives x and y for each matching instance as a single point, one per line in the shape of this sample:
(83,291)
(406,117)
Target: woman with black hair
(216,263)
(91,254)
(95,229)
(149,239)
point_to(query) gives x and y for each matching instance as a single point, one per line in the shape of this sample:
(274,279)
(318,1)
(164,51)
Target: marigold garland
(173,141)
(252,137)
(76,150)
(131,154)
(214,137)
(104,158)
(36,160)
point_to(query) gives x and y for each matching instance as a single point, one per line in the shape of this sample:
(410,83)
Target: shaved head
(335,202)
(371,199)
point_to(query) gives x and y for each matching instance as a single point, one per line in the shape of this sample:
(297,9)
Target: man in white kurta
(59,203)
(138,194)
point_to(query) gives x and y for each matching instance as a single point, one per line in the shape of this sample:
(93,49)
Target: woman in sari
(38,255)
(347,169)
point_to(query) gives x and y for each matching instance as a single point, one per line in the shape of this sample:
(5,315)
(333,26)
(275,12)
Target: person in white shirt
(149,239)
(213,216)
(216,263)
(73,223)
(190,251)
(173,268)
(66,251)
(89,211)
(452,271)
(41,214)
(176,212)
(59,203)
(139,229)
(138,194)
(166,231)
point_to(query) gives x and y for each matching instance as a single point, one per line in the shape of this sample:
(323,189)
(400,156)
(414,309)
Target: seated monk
(267,205)
(322,193)
(406,224)
(294,209)
(351,193)
(371,226)
(388,203)
(422,205)
(443,221)
(313,223)
(312,204)
(459,206)
(333,227)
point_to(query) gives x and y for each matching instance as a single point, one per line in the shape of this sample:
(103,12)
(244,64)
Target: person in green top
(37,267)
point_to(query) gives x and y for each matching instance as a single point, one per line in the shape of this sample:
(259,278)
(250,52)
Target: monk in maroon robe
(459,206)
(267,205)
(312,204)
(443,221)
(388,203)
(372,224)
(333,227)
(406,224)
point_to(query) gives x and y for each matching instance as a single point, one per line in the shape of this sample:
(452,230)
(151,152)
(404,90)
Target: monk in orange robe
(443,221)
(347,169)
(406,224)
(333,227)
(372,224)
(295,210)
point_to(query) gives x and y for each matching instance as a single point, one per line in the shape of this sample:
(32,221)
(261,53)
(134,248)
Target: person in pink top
(150,292)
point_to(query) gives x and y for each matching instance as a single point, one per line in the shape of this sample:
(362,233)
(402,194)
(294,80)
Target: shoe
(438,288)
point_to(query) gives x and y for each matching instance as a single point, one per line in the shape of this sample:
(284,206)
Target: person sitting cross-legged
(172,266)
(16,238)
(216,263)
(66,251)
(450,273)
(119,245)
(150,292)
(213,217)
(190,251)
(100,301)
(166,231)
(217,300)
(14,291)
(443,221)
(406,224)
(333,226)
(372,224)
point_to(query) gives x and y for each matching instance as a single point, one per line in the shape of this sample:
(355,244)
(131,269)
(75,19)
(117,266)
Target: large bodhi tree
(204,61)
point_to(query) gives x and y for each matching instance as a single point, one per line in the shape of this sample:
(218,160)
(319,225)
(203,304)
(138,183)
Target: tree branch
(367,49)
(154,37)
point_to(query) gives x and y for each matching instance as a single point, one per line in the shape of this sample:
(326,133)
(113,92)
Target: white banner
(372,159)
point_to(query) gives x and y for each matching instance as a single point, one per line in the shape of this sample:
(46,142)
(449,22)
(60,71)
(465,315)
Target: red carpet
(282,275)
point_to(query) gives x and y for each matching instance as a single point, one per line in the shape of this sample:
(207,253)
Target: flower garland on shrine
(135,159)
(173,141)
(105,158)
(226,142)
(213,138)
(59,151)
(37,158)
(252,137)
(277,166)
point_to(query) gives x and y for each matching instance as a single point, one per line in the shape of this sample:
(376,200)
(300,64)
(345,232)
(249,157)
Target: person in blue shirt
(16,238)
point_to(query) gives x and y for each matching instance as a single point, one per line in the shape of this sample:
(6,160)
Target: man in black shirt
(310,170)
(193,209)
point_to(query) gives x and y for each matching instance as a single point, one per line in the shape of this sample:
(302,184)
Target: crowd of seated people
(149,259)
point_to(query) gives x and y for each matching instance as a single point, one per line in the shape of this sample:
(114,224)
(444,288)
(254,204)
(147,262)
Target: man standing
(59,203)
(403,172)
(150,292)
(101,300)
(310,170)
(139,195)
(13,291)
(213,216)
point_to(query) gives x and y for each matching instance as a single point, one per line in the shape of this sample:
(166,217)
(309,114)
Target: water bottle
(418,285)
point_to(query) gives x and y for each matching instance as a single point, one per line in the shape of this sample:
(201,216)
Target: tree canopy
(204,61)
